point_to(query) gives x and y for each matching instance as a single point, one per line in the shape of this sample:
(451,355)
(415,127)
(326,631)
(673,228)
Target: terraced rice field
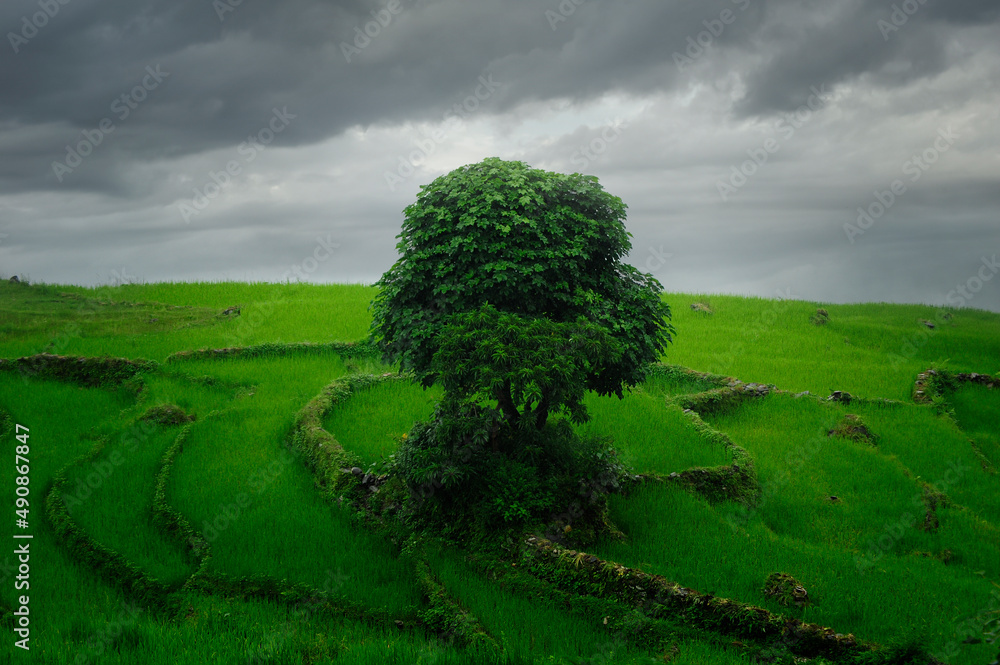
(187,509)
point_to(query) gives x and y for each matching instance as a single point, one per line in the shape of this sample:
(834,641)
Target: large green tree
(544,251)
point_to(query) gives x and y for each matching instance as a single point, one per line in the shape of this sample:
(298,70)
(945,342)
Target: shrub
(458,481)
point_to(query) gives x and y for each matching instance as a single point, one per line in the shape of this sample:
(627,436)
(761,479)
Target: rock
(231,311)
(833,499)
(840,396)
(787,590)
(820,318)
(801,394)
(853,428)
(356,471)
(14,280)
(927,323)
(701,307)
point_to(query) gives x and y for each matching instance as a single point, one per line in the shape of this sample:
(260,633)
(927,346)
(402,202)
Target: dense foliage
(533,366)
(457,479)
(532,244)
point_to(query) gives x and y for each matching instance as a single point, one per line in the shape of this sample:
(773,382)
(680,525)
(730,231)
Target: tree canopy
(544,251)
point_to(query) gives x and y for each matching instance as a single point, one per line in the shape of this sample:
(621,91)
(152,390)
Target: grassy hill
(184,506)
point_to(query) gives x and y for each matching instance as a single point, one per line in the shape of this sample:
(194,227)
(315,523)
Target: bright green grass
(288,533)
(78,618)
(111,496)
(938,452)
(535,627)
(371,422)
(528,627)
(113,321)
(255,502)
(59,586)
(756,339)
(651,436)
(800,468)
(871,349)
(217,631)
(681,537)
(659,437)
(976,408)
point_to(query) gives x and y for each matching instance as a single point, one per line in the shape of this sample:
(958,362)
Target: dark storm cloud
(830,43)
(226,65)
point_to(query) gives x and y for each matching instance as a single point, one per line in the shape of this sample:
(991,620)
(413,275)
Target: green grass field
(204,537)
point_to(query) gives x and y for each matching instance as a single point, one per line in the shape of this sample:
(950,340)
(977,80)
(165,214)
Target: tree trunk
(506,404)
(542,412)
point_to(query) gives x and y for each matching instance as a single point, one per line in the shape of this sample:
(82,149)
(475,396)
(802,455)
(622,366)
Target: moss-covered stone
(723,399)
(359,349)
(786,590)
(660,597)
(731,482)
(167,414)
(89,372)
(853,428)
(701,307)
(448,619)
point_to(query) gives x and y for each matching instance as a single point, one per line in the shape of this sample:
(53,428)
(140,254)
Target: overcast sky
(836,151)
